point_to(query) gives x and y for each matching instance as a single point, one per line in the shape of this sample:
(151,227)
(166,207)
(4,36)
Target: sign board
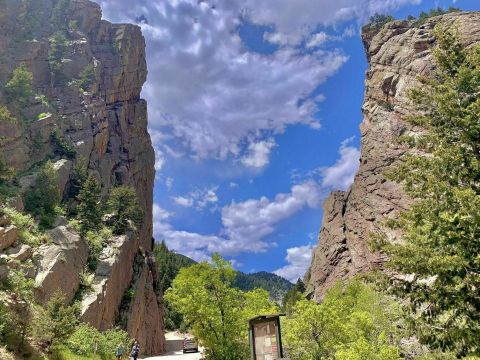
(265,338)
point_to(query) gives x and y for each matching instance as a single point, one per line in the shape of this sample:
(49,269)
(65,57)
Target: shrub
(86,340)
(43,198)
(96,242)
(124,207)
(27,228)
(6,115)
(18,89)
(61,146)
(87,77)
(378,20)
(55,323)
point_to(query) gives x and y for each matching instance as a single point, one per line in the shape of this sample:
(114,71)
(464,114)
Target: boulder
(60,264)
(63,168)
(8,236)
(20,253)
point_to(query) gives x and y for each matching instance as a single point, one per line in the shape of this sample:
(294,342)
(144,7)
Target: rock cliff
(397,53)
(87,79)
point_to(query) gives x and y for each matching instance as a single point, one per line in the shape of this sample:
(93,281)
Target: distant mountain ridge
(276,286)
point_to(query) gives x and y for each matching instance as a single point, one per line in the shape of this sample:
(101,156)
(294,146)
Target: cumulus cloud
(207,94)
(246,224)
(298,259)
(199,198)
(341,175)
(258,154)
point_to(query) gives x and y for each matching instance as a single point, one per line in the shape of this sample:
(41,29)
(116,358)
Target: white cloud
(169,183)
(298,260)
(294,20)
(258,154)
(183,201)
(317,39)
(246,224)
(199,198)
(159,159)
(208,95)
(251,220)
(342,174)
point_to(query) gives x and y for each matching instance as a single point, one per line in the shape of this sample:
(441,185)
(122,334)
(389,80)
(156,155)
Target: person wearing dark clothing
(135,350)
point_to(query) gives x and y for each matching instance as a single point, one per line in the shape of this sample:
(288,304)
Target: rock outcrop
(87,79)
(398,53)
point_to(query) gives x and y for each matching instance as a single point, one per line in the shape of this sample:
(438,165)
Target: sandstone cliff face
(106,124)
(398,53)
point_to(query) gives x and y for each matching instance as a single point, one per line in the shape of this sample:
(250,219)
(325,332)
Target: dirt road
(174,349)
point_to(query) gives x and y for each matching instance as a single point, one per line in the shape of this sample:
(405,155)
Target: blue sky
(254,112)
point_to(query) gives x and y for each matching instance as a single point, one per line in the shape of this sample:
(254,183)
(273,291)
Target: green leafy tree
(89,208)
(293,296)
(18,89)
(441,248)
(124,207)
(216,311)
(43,198)
(352,324)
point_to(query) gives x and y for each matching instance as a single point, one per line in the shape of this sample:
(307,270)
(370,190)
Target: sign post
(265,337)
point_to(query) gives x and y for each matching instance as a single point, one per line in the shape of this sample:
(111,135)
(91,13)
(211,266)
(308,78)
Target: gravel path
(174,349)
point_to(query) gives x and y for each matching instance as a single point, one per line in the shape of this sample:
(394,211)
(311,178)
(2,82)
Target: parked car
(190,344)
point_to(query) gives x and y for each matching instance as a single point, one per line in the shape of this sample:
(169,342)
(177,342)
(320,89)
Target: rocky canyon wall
(397,53)
(105,123)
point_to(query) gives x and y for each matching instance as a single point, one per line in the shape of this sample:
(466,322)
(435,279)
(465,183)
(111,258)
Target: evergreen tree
(42,199)
(124,207)
(89,208)
(441,247)
(18,89)
(292,296)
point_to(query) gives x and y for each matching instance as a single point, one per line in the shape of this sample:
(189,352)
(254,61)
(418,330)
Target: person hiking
(119,352)
(135,350)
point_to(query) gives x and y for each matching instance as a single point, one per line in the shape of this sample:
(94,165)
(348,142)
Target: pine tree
(123,205)
(89,208)
(441,247)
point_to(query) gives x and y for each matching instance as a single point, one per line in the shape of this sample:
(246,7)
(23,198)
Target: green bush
(124,207)
(96,242)
(56,322)
(27,227)
(6,115)
(44,197)
(18,89)
(61,146)
(378,20)
(87,77)
(86,340)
